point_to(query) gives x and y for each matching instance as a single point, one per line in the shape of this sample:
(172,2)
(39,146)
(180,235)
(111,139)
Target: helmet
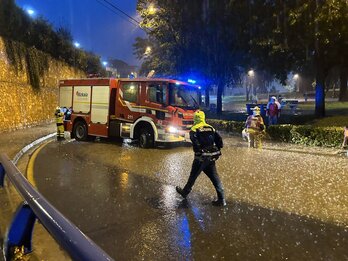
(256,110)
(198,117)
(57,109)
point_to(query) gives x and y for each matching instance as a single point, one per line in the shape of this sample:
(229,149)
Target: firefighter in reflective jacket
(60,123)
(255,129)
(206,146)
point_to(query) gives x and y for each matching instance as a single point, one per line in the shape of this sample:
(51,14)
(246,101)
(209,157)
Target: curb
(31,145)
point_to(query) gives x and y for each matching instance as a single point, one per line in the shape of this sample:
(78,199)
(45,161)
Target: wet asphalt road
(124,199)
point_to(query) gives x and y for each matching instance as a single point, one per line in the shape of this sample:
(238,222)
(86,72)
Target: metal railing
(68,236)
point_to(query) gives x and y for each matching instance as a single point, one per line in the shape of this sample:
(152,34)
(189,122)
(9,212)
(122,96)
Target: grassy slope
(337,113)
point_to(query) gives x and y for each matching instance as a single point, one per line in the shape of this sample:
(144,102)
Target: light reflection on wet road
(124,199)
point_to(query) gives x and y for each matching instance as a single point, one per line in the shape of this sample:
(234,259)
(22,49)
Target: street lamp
(105,63)
(251,74)
(296,78)
(31,12)
(77,44)
(152,9)
(148,50)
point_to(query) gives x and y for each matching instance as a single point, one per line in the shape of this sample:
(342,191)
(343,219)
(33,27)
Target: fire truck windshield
(184,96)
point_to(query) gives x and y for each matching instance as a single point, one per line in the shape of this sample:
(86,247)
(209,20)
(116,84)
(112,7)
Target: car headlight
(172,129)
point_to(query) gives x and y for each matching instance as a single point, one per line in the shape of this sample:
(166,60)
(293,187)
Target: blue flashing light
(77,44)
(105,63)
(191,81)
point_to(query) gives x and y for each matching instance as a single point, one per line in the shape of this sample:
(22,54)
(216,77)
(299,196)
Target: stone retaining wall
(22,106)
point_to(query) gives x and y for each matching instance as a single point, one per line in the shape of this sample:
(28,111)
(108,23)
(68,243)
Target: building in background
(120,69)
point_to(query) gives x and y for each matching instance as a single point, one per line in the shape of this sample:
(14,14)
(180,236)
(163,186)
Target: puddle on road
(125,200)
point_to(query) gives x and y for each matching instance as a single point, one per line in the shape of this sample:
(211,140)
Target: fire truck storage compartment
(82,99)
(65,97)
(100,104)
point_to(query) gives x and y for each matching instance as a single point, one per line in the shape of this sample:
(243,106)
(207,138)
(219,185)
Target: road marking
(30,167)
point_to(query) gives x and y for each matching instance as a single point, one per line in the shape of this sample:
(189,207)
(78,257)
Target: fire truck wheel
(80,131)
(146,139)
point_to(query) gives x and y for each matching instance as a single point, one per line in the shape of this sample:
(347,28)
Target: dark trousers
(209,168)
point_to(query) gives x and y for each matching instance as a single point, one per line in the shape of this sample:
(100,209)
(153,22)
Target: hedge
(228,126)
(298,134)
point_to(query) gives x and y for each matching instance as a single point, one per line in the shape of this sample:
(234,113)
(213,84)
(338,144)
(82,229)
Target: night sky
(94,26)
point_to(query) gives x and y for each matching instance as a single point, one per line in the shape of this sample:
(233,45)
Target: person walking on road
(254,129)
(60,123)
(273,111)
(207,144)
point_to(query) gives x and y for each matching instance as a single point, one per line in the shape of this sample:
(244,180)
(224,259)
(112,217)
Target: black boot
(219,203)
(181,191)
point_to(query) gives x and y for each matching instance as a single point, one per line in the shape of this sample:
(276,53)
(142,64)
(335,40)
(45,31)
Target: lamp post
(251,74)
(296,78)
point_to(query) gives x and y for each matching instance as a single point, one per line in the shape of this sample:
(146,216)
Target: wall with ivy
(29,85)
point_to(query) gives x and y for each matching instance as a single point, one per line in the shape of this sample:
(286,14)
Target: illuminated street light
(152,9)
(297,84)
(105,63)
(30,12)
(251,74)
(148,51)
(77,44)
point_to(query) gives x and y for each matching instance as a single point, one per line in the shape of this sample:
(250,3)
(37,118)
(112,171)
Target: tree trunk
(343,85)
(320,74)
(220,89)
(320,92)
(247,92)
(207,97)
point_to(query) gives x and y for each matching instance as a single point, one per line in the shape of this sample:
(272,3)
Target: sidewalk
(13,141)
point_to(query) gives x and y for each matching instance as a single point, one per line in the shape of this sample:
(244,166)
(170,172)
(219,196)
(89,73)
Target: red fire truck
(149,110)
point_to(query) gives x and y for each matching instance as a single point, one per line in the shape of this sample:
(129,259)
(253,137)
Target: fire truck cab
(148,110)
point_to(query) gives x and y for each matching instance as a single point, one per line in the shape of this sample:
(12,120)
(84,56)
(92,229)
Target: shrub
(317,136)
(229,126)
(280,132)
(300,134)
